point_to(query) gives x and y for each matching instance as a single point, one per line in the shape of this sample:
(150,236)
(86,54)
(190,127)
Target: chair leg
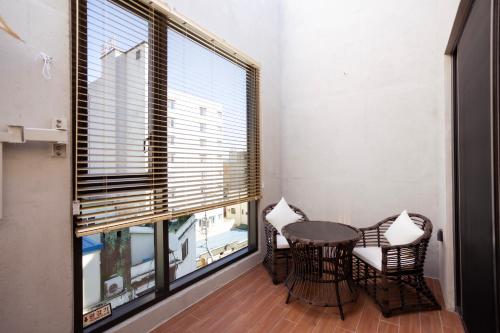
(288,298)
(401,292)
(274,270)
(385,297)
(425,290)
(365,278)
(350,284)
(269,263)
(275,275)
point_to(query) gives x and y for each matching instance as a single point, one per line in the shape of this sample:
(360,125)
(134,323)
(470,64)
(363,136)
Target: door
(474,172)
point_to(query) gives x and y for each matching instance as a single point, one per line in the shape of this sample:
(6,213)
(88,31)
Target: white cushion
(403,230)
(281,215)
(372,255)
(281,242)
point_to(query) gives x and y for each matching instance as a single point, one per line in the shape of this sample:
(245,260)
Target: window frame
(164,288)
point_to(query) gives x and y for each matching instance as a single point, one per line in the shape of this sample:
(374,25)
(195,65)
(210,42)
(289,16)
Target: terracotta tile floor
(251,303)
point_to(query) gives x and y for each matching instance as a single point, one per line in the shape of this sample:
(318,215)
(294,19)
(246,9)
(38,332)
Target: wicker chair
(276,255)
(398,284)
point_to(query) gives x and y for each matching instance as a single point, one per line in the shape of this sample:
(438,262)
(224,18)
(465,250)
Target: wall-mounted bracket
(57,135)
(20,134)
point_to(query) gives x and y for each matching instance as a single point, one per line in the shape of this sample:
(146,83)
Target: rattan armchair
(277,257)
(398,284)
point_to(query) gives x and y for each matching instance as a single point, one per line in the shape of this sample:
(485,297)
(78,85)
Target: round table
(321,270)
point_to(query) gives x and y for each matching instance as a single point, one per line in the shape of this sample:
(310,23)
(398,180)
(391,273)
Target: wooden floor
(252,303)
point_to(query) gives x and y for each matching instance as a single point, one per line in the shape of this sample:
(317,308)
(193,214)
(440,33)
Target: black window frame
(164,287)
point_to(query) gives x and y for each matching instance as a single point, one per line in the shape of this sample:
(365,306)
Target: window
(117,182)
(171,103)
(114,164)
(128,221)
(117,266)
(185,249)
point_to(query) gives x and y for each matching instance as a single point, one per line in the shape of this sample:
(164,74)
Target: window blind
(166,119)
(213,109)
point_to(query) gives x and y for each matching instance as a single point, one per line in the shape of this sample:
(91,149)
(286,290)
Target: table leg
(289,294)
(341,311)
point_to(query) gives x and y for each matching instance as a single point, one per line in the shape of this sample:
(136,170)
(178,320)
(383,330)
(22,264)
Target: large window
(118,266)
(197,240)
(167,168)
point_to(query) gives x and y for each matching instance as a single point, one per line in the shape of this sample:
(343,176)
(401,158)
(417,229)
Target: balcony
(144,145)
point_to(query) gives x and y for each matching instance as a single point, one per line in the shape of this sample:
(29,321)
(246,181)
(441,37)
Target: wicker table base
(321,270)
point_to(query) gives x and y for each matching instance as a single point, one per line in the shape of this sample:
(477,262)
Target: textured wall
(363,110)
(36,279)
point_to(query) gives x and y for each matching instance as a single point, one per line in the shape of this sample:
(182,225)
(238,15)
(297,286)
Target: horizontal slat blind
(212,126)
(120,141)
(151,146)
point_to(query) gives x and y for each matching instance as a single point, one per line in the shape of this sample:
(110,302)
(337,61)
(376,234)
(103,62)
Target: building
(114,101)
(195,147)
(91,263)
(182,251)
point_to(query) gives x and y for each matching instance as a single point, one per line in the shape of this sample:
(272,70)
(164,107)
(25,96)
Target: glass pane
(118,266)
(207,110)
(117,75)
(200,239)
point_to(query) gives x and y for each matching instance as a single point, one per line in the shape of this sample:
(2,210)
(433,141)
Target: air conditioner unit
(113,286)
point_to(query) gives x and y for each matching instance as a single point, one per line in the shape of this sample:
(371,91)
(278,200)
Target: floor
(252,303)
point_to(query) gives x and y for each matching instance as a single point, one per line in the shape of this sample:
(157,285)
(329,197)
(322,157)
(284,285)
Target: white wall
(141,246)
(447,10)
(36,275)
(91,278)
(363,110)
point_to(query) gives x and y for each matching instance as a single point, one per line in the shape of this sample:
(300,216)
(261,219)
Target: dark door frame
(459,23)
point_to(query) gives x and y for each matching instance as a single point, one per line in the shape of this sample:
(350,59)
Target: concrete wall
(36,279)
(363,110)
(447,10)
